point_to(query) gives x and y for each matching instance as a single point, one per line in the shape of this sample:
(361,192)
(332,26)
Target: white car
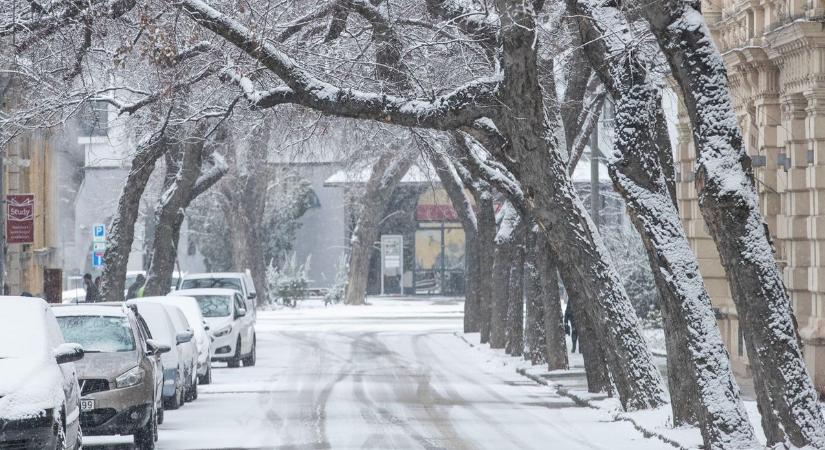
(203,341)
(163,331)
(187,348)
(230,323)
(39,392)
(239,281)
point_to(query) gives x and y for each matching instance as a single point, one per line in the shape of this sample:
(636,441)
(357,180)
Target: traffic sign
(99,232)
(97,259)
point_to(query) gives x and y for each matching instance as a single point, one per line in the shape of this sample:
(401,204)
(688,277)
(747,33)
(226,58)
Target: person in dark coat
(92,293)
(570,325)
(134,288)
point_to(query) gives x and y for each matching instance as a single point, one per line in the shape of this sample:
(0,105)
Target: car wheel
(160,415)
(249,361)
(236,360)
(60,428)
(174,402)
(207,377)
(194,391)
(145,437)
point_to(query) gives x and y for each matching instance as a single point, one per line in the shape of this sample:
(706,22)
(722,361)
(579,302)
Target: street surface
(394,374)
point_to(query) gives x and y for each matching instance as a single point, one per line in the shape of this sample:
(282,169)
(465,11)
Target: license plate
(87,405)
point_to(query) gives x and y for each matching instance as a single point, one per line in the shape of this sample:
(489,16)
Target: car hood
(108,365)
(216,323)
(28,386)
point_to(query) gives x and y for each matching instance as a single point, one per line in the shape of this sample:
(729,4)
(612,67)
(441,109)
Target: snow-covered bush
(289,283)
(339,286)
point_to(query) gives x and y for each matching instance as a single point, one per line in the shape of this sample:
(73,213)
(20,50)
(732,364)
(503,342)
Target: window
(213,305)
(94,118)
(98,334)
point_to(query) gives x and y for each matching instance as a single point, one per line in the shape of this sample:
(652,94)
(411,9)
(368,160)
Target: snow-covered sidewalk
(572,384)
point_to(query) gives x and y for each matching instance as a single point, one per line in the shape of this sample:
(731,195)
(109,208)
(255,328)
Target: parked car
(173,365)
(188,350)
(203,341)
(39,391)
(239,281)
(131,277)
(230,324)
(120,389)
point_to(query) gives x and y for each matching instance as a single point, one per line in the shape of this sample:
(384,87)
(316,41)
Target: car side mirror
(252,295)
(240,312)
(184,337)
(156,348)
(66,353)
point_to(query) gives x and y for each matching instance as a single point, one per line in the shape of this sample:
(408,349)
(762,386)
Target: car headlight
(223,331)
(129,378)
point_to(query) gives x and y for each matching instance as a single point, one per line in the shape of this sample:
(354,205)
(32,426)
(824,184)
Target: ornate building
(775,55)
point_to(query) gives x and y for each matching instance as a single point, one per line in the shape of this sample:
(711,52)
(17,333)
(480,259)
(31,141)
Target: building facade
(774,51)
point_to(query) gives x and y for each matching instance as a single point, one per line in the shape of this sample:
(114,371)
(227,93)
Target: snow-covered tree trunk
(729,205)
(535,334)
(386,175)
(515,302)
(506,242)
(486,215)
(555,343)
(122,230)
(183,166)
(453,184)
(701,382)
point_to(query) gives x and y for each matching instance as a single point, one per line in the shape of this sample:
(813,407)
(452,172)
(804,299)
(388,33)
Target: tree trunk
(183,170)
(454,186)
(556,344)
(486,254)
(122,231)
(729,205)
(515,302)
(505,256)
(387,173)
(535,334)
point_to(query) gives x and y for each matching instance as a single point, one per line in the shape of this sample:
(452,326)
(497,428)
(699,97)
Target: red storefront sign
(20,219)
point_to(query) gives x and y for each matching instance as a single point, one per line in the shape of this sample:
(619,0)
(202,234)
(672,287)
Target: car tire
(159,414)
(207,377)
(173,403)
(145,437)
(249,361)
(60,427)
(236,360)
(194,391)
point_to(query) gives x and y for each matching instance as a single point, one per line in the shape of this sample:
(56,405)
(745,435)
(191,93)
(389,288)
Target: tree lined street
(394,374)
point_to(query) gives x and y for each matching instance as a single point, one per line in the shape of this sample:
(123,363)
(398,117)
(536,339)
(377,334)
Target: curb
(585,403)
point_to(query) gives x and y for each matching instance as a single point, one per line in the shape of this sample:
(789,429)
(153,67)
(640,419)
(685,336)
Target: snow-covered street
(395,374)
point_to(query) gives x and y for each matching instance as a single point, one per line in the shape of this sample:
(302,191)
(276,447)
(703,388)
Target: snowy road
(391,375)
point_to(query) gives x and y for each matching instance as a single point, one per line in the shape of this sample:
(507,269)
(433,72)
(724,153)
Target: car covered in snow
(39,391)
(190,308)
(119,376)
(239,281)
(163,331)
(231,324)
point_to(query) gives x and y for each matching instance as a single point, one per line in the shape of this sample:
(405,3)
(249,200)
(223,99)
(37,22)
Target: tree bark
(535,334)
(515,301)
(555,343)
(387,173)
(729,205)
(454,186)
(486,254)
(505,257)
(122,231)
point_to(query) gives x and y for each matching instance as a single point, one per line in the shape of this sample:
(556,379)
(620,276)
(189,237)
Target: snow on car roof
(214,275)
(114,309)
(22,327)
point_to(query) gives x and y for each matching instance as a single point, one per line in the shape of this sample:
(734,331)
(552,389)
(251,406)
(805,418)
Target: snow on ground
(394,374)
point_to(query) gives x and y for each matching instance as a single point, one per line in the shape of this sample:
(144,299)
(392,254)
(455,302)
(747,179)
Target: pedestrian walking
(570,325)
(92,293)
(136,287)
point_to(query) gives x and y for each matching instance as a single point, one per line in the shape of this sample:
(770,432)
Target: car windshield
(205,283)
(22,330)
(103,334)
(214,305)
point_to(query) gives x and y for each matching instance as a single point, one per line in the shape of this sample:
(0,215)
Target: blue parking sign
(99,231)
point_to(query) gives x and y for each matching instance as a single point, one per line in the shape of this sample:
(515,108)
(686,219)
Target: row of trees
(502,97)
